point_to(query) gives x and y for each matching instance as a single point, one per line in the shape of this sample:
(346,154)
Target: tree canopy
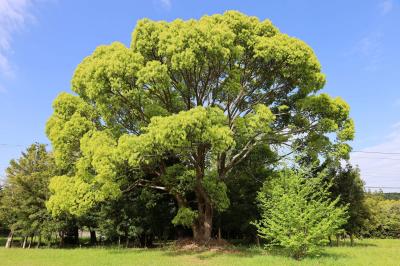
(182,107)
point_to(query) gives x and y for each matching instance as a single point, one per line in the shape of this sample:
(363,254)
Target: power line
(377,152)
(11,145)
(380,158)
(382,187)
(21,145)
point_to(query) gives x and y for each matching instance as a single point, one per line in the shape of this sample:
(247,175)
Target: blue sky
(357,43)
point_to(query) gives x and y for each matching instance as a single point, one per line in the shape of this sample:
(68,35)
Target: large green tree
(181,107)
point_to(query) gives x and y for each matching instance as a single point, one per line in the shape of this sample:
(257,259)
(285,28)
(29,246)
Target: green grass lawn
(367,252)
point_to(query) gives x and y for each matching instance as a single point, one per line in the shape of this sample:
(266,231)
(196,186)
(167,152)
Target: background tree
(243,184)
(347,184)
(297,212)
(392,195)
(25,192)
(136,218)
(384,216)
(182,107)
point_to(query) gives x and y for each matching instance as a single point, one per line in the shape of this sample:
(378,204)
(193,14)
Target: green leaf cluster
(185,217)
(297,213)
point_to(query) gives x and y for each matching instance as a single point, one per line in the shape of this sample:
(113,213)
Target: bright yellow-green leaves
(333,116)
(297,212)
(185,217)
(84,153)
(257,123)
(94,180)
(179,134)
(107,78)
(347,130)
(217,191)
(260,120)
(98,148)
(72,118)
(71,195)
(294,59)
(186,99)
(146,36)
(109,67)
(333,113)
(184,44)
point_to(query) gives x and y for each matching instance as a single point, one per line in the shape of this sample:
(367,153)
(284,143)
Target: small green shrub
(297,214)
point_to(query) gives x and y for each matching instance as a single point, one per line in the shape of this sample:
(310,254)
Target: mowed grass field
(367,252)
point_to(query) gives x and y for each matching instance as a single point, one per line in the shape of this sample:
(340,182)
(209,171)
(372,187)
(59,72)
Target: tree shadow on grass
(360,244)
(207,253)
(3,241)
(243,252)
(322,254)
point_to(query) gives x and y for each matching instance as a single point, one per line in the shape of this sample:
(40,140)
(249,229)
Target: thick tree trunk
(9,239)
(93,239)
(203,224)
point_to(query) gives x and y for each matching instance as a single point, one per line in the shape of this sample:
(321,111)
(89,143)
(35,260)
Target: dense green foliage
(181,108)
(22,202)
(297,214)
(384,216)
(392,195)
(347,184)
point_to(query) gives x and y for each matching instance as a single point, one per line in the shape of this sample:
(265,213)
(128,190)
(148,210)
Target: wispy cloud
(162,5)
(370,49)
(166,4)
(386,6)
(380,164)
(14,15)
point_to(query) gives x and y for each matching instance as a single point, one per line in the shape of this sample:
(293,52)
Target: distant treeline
(391,195)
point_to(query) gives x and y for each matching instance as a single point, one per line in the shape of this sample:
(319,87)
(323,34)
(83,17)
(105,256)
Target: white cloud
(14,15)
(369,48)
(166,4)
(381,170)
(386,6)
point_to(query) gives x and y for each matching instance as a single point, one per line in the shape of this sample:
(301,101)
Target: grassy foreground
(367,252)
